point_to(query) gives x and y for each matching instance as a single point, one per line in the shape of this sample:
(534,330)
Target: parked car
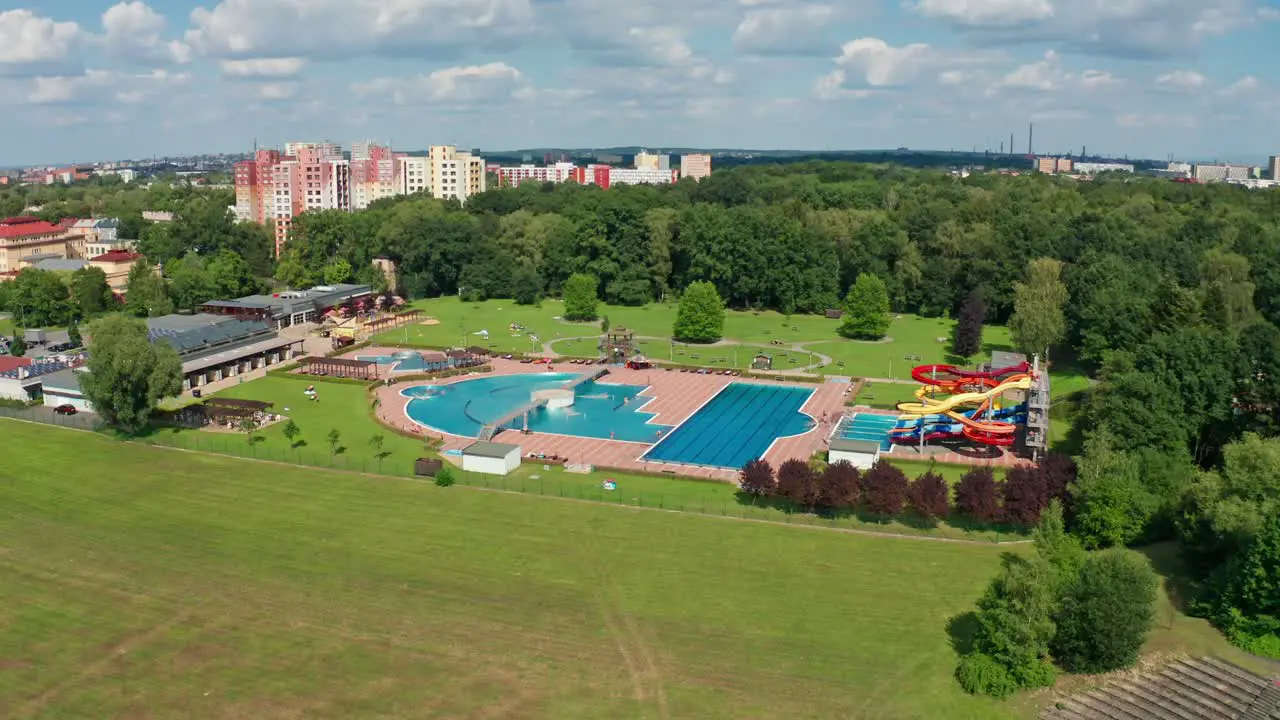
(66,410)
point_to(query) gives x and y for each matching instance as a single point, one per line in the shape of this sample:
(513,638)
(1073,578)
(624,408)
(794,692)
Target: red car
(66,410)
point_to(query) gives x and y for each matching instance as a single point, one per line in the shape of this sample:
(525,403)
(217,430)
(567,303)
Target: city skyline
(1144,78)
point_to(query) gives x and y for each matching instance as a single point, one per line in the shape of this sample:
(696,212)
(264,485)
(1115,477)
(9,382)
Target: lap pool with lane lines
(736,426)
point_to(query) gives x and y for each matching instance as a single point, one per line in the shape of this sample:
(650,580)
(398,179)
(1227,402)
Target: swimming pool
(600,410)
(875,428)
(738,425)
(403,361)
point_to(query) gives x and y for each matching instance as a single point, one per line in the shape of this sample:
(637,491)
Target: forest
(1169,299)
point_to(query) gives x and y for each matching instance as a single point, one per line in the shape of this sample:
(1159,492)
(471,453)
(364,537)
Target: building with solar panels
(216,347)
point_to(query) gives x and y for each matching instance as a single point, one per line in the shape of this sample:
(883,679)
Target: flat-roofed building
(289,307)
(216,347)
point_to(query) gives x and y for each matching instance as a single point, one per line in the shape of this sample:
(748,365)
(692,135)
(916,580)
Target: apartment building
(1093,168)
(455,175)
(607,176)
(1273,167)
(1220,172)
(26,240)
(415,174)
(373,175)
(695,165)
(557,173)
(651,161)
(1052,165)
(274,187)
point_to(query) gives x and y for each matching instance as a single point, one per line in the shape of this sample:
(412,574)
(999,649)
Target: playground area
(653,420)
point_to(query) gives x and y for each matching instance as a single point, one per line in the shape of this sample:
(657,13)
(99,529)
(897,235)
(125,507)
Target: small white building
(63,388)
(490,458)
(862,454)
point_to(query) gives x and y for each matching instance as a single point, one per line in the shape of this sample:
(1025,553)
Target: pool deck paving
(673,397)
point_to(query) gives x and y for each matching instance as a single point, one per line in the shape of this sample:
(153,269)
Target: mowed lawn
(149,582)
(912,340)
(344,408)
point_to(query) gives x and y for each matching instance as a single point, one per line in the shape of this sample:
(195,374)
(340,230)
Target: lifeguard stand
(618,344)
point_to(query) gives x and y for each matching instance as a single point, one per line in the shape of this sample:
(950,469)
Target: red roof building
(25,237)
(117,256)
(8,363)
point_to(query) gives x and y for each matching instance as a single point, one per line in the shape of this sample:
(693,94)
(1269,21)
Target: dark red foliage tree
(797,483)
(977,497)
(839,487)
(1025,495)
(967,340)
(1059,471)
(757,479)
(928,496)
(884,489)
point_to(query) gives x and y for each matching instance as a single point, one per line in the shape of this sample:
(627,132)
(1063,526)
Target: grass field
(166,584)
(171,584)
(912,340)
(343,407)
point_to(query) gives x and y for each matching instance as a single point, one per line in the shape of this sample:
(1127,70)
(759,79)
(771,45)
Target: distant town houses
(1243,174)
(648,169)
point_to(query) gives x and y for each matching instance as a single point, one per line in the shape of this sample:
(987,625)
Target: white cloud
(787,29)
(133,30)
(456,85)
(346,28)
(984,13)
(880,64)
(1155,120)
(28,40)
(277,91)
(1129,28)
(1182,80)
(1049,75)
(103,86)
(872,62)
(1244,85)
(263,67)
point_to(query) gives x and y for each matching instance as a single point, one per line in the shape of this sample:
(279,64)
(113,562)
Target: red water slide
(950,376)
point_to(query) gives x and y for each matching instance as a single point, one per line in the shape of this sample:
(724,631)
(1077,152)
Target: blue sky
(95,81)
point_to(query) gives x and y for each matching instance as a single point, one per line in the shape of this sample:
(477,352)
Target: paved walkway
(823,360)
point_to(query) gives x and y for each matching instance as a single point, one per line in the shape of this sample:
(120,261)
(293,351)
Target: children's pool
(600,410)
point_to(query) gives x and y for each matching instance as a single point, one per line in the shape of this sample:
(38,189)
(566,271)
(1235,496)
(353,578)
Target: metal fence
(629,493)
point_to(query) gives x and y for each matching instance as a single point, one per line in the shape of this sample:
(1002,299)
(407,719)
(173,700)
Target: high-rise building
(415,174)
(652,161)
(696,165)
(373,175)
(1273,167)
(455,175)
(275,187)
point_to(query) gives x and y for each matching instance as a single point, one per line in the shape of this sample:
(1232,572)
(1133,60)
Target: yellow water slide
(948,405)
